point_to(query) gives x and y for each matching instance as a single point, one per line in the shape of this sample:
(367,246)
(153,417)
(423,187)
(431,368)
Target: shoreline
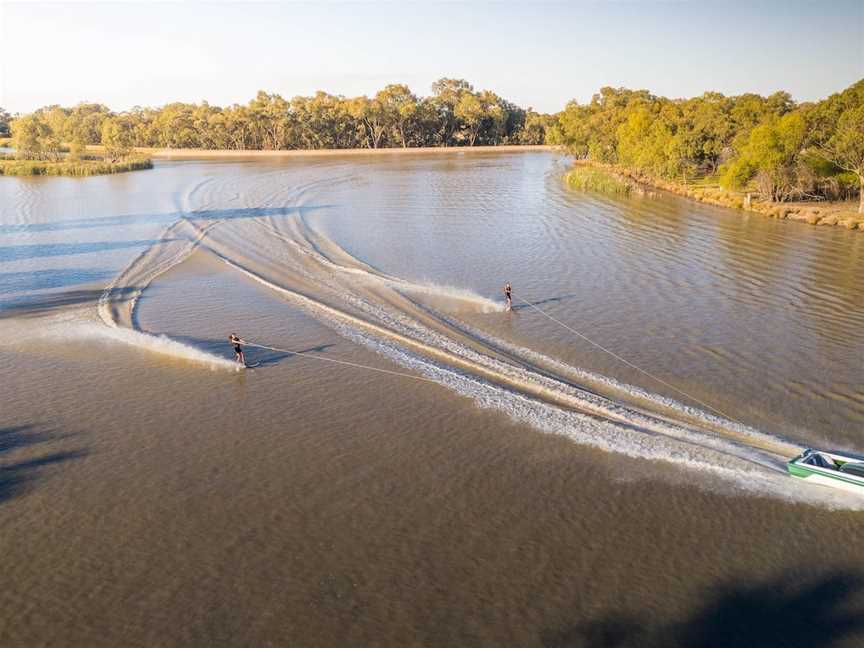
(842,214)
(71,168)
(215,154)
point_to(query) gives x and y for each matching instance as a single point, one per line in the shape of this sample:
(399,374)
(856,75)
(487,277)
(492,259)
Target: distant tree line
(783,150)
(455,115)
(772,145)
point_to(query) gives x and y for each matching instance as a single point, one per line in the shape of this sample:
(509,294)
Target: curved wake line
(118,303)
(160,344)
(429,289)
(745,433)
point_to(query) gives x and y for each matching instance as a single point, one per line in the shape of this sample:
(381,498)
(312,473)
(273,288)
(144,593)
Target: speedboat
(829,469)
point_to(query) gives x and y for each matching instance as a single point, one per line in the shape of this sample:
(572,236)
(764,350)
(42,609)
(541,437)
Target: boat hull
(826,476)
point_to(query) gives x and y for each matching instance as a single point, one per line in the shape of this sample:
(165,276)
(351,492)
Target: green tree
(496,117)
(400,107)
(237,127)
(118,137)
(30,134)
(56,118)
(5,119)
(84,123)
(268,114)
(836,133)
(647,142)
(424,128)
(845,148)
(447,93)
(174,127)
(372,118)
(325,121)
(772,155)
(471,112)
(535,127)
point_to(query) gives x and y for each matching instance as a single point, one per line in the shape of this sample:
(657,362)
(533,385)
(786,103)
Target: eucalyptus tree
(5,119)
(118,136)
(771,156)
(325,121)
(846,147)
(371,116)
(269,117)
(447,94)
(32,137)
(496,114)
(535,127)
(469,110)
(174,126)
(84,123)
(234,122)
(837,133)
(400,107)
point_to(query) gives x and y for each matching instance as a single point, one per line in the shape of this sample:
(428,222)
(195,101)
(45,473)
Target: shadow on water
(37,305)
(254,355)
(166,219)
(781,612)
(540,302)
(265,357)
(17,477)
(11,282)
(38,250)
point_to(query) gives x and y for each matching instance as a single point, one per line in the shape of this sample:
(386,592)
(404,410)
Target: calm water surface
(513,485)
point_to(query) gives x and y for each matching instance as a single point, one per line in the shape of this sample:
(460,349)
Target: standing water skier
(238,350)
(508,293)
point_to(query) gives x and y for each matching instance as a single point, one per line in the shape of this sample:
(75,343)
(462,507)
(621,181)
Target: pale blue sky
(533,53)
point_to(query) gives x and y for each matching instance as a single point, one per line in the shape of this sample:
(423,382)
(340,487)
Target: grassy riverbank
(12,167)
(608,178)
(589,178)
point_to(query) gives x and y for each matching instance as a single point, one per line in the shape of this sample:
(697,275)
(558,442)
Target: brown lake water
(502,480)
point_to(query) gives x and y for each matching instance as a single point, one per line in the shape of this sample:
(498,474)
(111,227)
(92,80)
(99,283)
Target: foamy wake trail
(450,295)
(159,344)
(734,428)
(718,466)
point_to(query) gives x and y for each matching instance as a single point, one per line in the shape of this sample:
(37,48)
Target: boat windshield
(820,460)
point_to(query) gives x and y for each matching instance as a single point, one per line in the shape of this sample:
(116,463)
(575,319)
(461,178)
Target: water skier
(238,350)
(508,293)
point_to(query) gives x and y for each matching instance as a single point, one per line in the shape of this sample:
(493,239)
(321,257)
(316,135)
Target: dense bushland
(770,145)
